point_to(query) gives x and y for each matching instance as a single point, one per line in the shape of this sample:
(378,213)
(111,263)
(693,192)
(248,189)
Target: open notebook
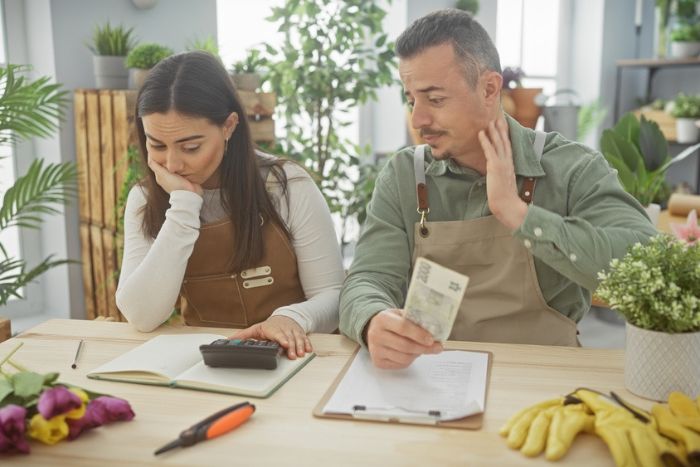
(175,360)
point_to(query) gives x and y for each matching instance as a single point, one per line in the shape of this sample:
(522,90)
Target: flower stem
(12,352)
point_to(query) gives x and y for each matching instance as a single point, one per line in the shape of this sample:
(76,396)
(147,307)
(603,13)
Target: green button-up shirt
(580,219)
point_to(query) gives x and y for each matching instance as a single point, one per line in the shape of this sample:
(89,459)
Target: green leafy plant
(685,106)
(639,152)
(686,33)
(656,286)
(208,44)
(146,56)
(472,6)
(589,117)
(30,109)
(334,57)
(252,63)
(108,40)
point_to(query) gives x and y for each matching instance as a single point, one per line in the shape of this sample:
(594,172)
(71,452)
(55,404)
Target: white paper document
(447,386)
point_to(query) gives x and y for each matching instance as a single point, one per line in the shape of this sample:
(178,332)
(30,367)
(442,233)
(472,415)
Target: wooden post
(5,329)
(107,159)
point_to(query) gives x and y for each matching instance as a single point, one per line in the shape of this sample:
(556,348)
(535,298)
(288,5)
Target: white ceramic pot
(653,210)
(686,130)
(684,49)
(110,72)
(658,363)
(137,76)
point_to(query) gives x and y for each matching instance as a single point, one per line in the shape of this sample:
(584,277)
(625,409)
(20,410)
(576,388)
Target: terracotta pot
(526,111)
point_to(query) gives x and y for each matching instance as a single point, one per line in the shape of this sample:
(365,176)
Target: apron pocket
(215,299)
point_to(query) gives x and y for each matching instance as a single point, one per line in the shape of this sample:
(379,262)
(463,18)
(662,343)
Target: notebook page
(452,382)
(245,381)
(166,355)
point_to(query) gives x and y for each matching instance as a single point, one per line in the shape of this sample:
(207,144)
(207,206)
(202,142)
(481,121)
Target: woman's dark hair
(197,85)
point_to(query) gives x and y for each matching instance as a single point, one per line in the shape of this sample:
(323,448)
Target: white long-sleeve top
(153,269)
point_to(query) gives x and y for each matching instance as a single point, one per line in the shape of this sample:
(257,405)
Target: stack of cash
(434,296)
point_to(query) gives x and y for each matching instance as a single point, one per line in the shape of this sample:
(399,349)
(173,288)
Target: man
(530,218)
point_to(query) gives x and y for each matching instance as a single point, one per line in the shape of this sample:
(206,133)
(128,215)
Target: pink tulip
(57,401)
(100,411)
(690,231)
(12,428)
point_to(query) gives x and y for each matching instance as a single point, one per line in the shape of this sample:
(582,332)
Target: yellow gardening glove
(630,433)
(549,426)
(680,421)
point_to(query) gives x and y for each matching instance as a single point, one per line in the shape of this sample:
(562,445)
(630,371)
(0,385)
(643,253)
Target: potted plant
(320,74)
(686,109)
(524,108)
(141,59)
(109,46)
(208,44)
(656,287)
(30,109)
(245,73)
(639,152)
(685,41)
(472,6)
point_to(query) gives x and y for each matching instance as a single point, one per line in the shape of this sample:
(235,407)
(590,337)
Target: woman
(233,236)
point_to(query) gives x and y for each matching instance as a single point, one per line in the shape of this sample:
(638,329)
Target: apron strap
(421,188)
(526,192)
(528,188)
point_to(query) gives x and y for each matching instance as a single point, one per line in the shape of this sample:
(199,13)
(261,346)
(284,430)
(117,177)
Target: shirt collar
(525,161)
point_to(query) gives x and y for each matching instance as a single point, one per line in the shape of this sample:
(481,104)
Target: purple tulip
(12,427)
(57,401)
(100,411)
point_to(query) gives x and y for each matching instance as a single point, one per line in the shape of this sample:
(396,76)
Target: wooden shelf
(658,62)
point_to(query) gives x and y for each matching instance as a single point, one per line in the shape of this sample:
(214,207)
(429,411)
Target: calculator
(241,353)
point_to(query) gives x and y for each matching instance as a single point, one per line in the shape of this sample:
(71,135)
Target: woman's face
(191,147)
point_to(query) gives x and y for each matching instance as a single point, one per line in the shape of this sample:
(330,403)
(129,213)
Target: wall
(53,41)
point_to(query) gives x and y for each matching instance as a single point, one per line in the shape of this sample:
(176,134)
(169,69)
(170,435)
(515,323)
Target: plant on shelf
(685,40)
(142,58)
(472,6)
(208,44)
(656,287)
(333,58)
(30,109)
(686,109)
(246,72)
(519,101)
(639,152)
(146,56)
(109,46)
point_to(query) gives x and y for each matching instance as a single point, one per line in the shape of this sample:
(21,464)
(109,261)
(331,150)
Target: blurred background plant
(334,57)
(30,109)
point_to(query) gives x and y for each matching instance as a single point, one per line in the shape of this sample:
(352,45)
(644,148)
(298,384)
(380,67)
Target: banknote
(434,296)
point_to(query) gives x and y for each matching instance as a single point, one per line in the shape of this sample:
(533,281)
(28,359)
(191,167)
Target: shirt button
(528,243)
(572,257)
(538,232)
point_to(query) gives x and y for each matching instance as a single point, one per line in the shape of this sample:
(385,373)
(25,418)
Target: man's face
(448,112)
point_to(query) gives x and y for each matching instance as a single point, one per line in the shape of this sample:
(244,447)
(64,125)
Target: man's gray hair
(472,45)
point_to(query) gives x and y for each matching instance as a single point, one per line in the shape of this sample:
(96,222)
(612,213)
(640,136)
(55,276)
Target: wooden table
(283,431)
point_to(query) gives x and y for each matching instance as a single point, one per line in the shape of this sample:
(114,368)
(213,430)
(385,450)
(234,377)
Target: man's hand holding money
(397,337)
(394,341)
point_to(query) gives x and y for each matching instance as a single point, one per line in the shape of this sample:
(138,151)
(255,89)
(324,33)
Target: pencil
(77,353)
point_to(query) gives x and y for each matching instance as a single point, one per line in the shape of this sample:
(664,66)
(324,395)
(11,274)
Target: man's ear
(491,84)
(230,124)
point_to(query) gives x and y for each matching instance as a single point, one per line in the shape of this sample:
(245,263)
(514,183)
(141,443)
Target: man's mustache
(429,132)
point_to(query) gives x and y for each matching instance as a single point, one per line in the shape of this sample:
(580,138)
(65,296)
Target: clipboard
(472,422)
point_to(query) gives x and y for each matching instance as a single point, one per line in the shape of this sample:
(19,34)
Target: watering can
(560,111)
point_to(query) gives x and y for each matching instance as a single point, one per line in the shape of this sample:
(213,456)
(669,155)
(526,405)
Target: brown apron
(503,301)
(214,295)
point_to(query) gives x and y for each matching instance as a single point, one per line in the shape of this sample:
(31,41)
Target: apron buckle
(424,232)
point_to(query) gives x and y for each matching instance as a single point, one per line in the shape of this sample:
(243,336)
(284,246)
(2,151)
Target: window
(528,37)
(8,237)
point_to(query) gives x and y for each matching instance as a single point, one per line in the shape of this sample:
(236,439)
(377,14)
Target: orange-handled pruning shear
(215,425)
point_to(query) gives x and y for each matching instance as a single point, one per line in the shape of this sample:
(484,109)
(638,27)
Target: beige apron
(214,295)
(503,301)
